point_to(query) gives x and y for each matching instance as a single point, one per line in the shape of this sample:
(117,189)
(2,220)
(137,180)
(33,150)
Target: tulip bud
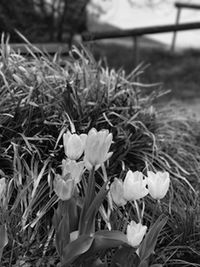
(97,147)
(158,184)
(74,145)
(135,233)
(74,168)
(117,192)
(64,188)
(134,186)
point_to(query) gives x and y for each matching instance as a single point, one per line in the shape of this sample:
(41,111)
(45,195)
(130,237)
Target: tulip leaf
(148,244)
(105,239)
(89,196)
(76,248)
(144,264)
(73,215)
(125,257)
(87,226)
(62,237)
(65,221)
(3,238)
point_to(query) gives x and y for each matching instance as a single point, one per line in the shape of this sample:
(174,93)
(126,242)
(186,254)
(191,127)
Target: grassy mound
(37,98)
(177,72)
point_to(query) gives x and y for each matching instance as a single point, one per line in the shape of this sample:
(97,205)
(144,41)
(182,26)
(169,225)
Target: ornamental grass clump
(45,110)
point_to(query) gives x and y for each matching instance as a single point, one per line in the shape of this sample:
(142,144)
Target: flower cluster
(94,145)
(74,218)
(134,187)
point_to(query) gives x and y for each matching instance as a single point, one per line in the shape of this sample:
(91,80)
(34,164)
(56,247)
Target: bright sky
(124,15)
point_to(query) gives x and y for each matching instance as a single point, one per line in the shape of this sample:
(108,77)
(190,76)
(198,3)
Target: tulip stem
(89,196)
(143,208)
(154,212)
(109,198)
(138,211)
(91,188)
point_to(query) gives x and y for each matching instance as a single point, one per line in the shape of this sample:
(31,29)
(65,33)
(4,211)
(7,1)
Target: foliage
(42,20)
(38,95)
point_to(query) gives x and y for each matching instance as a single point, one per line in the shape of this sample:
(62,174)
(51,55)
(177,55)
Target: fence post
(135,50)
(175,32)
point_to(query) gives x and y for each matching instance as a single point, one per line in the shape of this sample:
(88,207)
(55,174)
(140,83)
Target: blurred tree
(16,15)
(150,3)
(73,18)
(43,20)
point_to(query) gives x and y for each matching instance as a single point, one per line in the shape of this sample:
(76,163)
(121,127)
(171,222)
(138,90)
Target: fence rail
(140,31)
(52,48)
(179,7)
(190,6)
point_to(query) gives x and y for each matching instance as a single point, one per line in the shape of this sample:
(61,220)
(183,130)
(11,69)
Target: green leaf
(143,264)
(62,234)
(148,244)
(73,215)
(104,240)
(86,226)
(89,196)
(76,248)
(109,239)
(125,257)
(3,238)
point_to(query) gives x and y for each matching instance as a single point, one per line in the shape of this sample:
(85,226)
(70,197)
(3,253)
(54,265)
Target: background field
(176,72)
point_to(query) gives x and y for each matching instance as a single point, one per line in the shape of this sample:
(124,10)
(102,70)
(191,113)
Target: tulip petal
(158,184)
(83,139)
(63,189)
(135,233)
(66,137)
(97,146)
(134,186)
(117,192)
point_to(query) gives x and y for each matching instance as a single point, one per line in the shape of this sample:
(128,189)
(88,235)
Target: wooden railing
(92,36)
(52,48)
(184,5)
(179,7)
(139,31)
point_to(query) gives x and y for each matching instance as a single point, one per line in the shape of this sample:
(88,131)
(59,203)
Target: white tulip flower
(74,145)
(117,192)
(158,184)
(135,233)
(96,148)
(134,186)
(65,184)
(64,188)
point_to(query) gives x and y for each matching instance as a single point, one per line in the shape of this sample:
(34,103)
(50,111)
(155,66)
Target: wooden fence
(92,36)
(179,7)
